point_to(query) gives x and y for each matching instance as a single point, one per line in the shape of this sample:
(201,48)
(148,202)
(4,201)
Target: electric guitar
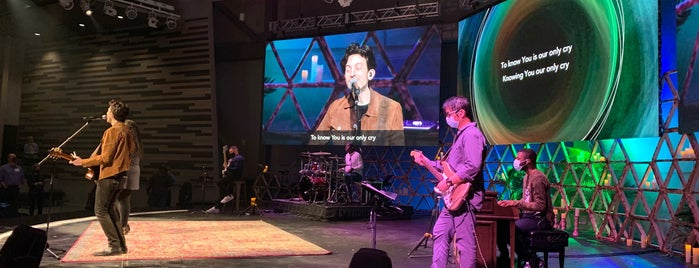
(225,159)
(56,153)
(456,194)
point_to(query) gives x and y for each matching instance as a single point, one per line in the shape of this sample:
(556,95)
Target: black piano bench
(550,241)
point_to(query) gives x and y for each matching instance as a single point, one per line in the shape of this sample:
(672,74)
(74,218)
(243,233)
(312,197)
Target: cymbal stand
(428,235)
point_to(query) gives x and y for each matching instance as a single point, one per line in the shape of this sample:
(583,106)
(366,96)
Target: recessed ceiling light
(120,17)
(37,34)
(81,24)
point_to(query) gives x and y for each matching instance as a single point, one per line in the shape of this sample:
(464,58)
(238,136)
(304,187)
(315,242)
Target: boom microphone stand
(53,167)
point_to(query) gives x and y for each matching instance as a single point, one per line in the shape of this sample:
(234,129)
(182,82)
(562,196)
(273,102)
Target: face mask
(452,123)
(518,165)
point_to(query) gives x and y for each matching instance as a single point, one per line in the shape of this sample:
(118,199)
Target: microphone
(354,89)
(90,118)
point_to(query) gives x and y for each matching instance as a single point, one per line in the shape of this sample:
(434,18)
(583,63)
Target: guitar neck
(438,175)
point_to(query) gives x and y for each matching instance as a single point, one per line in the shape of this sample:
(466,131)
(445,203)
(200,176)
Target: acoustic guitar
(56,153)
(456,194)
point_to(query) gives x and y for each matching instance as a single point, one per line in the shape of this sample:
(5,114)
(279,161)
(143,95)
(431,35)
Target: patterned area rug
(168,240)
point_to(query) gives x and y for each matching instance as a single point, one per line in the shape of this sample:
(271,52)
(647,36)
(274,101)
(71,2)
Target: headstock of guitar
(57,153)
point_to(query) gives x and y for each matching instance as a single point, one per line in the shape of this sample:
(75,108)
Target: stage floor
(395,236)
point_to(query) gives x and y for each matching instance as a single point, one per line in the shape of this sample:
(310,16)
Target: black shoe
(109,251)
(125,250)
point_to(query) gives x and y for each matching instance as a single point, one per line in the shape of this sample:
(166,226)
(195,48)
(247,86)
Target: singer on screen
(363,111)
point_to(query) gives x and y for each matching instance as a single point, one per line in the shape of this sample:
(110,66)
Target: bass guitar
(56,153)
(455,195)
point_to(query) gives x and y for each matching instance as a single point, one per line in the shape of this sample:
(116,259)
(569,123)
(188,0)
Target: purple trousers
(460,227)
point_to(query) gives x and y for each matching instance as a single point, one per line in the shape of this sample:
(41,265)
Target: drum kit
(318,170)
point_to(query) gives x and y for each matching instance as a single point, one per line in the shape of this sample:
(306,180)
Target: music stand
(377,194)
(53,166)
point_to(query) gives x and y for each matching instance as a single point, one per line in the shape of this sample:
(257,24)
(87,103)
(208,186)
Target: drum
(312,188)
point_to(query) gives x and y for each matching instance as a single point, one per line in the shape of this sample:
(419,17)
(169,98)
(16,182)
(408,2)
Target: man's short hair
(529,154)
(364,51)
(456,103)
(119,109)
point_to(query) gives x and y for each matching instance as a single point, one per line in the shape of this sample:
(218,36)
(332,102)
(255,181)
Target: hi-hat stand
(428,235)
(53,167)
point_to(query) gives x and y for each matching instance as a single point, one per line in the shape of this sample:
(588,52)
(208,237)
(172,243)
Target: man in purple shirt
(465,157)
(11,178)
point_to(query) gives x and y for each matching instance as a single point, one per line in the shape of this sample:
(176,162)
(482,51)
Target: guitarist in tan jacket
(461,183)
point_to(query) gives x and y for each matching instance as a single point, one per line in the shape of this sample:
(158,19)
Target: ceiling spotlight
(85,5)
(131,12)
(171,23)
(152,20)
(67,4)
(109,8)
(344,3)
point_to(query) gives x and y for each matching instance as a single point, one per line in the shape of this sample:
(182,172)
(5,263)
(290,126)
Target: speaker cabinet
(24,247)
(370,258)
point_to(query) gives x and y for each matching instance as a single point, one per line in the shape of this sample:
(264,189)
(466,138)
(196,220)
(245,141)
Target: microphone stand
(53,167)
(355,127)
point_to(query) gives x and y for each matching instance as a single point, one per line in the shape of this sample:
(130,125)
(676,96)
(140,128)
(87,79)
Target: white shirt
(353,163)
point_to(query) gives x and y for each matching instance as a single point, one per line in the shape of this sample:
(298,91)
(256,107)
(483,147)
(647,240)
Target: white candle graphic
(314,65)
(304,76)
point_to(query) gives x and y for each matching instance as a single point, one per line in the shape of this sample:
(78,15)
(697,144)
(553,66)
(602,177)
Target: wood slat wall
(165,77)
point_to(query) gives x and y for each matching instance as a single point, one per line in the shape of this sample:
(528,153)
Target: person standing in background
(159,188)
(35,181)
(11,178)
(133,178)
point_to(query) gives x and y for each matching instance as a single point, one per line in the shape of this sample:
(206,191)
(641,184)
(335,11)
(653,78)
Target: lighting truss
(359,17)
(154,9)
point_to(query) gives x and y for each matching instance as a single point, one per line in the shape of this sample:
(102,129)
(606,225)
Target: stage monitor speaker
(370,258)
(23,248)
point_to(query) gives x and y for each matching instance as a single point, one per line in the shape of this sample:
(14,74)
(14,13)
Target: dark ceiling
(24,18)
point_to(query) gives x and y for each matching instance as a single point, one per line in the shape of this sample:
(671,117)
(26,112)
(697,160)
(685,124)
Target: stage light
(109,9)
(67,4)
(152,20)
(171,23)
(131,12)
(85,5)
(344,3)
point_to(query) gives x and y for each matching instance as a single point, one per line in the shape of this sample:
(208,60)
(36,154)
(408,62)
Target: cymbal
(305,154)
(320,153)
(335,157)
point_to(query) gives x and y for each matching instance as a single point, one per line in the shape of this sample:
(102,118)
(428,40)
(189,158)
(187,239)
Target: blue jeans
(460,227)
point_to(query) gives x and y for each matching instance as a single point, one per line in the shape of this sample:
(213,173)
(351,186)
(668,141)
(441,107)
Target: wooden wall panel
(165,77)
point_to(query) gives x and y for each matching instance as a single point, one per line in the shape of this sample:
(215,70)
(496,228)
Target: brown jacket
(384,117)
(116,146)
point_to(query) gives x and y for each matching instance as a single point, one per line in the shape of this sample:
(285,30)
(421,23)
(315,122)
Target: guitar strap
(446,155)
(97,149)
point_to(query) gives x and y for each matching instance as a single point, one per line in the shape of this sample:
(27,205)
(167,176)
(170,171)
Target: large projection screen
(562,70)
